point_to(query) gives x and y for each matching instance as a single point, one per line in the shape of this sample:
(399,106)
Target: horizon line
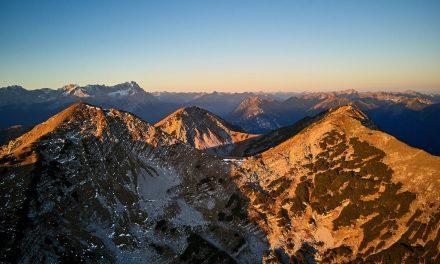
(210,91)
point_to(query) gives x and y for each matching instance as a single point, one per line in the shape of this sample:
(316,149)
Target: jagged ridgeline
(94,185)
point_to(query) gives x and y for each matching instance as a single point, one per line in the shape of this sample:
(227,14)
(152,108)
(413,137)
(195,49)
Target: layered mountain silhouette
(408,115)
(281,113)
(96,185)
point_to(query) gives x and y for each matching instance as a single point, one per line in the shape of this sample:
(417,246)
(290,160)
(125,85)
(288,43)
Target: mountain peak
(193,109)
(133,83)
(345,109)
(202,129)
(70,87)
(78,106)
(74,112)
(351,111)
(251,105)
(192,116)
(74,90)
(189,113)
(348,91)
(130,85)
(252,100)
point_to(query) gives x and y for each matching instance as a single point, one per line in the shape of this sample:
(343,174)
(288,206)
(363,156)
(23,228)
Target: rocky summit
(203,130)
(101,185)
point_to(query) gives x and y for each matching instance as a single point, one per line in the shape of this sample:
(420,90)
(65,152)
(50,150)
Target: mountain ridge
(351,193)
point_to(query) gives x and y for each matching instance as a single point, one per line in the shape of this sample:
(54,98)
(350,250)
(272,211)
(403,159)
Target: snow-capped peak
(75,90)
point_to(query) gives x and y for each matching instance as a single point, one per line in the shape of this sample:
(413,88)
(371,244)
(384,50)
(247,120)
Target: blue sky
(222,45)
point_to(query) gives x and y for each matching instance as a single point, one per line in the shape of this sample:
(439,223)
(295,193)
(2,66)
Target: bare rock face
(94,185)
(203,130)
(339,191)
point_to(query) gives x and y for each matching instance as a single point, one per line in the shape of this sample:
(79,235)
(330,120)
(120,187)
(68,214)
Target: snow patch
(120,93)
(153,190)
(188,216)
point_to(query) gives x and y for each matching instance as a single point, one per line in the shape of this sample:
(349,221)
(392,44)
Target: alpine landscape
(254,132)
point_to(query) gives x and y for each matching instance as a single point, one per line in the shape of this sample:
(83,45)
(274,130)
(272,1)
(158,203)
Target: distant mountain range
(409,115)
(102,185)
